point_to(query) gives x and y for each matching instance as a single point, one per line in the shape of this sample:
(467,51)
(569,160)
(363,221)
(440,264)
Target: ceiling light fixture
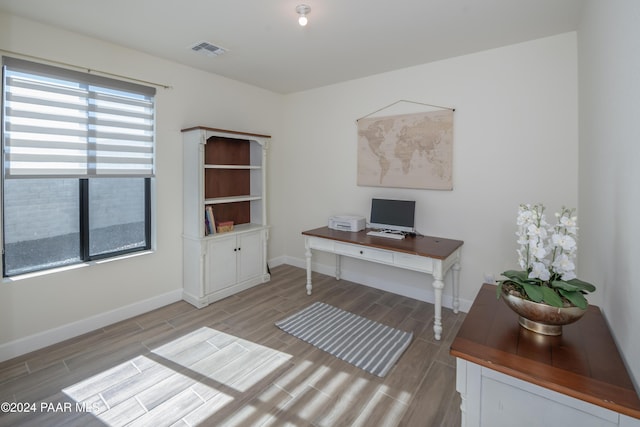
(303,10)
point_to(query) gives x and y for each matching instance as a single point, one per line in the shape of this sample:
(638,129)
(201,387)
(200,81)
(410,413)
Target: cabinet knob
(361,252)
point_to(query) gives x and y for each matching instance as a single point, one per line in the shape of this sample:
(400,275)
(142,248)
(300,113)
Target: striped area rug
(366,344)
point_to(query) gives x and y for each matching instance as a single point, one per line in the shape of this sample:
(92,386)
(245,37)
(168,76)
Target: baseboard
(425,294)
(55,335)
(274,262)
(195,301)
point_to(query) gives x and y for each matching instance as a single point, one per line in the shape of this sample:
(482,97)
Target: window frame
(84,200)
(85,242)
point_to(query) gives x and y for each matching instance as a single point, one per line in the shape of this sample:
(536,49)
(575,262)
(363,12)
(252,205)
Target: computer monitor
(396,215)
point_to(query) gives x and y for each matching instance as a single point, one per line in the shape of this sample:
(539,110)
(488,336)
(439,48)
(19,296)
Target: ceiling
(344,40)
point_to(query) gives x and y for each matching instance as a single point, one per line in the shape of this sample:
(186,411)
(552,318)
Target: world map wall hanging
(406,151)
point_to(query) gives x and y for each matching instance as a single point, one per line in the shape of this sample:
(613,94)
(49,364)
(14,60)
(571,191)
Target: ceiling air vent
(208,49)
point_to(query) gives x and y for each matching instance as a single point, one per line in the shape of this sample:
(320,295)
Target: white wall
(609,64)
(36,310)
(515,141)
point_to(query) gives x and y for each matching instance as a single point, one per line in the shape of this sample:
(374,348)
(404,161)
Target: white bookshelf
(225,170)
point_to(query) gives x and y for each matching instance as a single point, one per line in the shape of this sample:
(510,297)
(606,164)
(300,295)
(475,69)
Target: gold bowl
(542,318)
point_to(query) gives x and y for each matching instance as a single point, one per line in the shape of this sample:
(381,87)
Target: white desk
(431,255)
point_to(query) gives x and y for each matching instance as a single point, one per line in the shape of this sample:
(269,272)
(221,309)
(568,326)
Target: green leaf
(533,292)
(576,298)
(551,297)
(561,284)
(516,275)
(520,278)
(582,285)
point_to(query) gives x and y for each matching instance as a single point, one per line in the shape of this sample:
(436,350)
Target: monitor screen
(397,215)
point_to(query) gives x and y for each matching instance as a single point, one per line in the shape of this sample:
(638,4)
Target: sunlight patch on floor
(372,415)
(191,377)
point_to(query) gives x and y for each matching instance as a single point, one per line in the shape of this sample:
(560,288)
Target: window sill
(27,276)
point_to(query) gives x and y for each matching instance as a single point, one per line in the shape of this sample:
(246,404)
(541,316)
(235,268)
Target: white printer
(347,222)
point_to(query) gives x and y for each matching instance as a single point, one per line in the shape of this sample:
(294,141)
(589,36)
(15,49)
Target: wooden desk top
(427,246)
(583,362)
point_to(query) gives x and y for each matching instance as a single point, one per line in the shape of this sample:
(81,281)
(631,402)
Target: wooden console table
(432,255)
(508,375)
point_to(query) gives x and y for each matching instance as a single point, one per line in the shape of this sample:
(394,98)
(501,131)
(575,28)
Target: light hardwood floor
(159,368)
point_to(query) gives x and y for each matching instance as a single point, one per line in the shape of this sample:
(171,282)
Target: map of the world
(408,151)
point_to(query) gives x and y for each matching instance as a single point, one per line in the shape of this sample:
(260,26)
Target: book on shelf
(225,226)
(210,222)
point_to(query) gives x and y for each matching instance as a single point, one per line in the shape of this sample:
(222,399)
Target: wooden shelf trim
(232,199)
(242,167)
(225,131)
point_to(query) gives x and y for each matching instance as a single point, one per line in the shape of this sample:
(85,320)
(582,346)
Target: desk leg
(308,256)
(456,287)
(438,284)
(338,266)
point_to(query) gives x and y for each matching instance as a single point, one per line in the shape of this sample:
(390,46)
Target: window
(78,153)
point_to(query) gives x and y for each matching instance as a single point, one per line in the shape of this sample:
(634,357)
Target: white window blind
(64,123)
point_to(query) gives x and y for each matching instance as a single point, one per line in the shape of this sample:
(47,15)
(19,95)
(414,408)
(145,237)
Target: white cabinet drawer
(321,244)
(364,253)
(504,399)
(413,262)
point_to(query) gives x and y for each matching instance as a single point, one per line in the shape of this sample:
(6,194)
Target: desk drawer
(321,244)
(364,253)
(413,262)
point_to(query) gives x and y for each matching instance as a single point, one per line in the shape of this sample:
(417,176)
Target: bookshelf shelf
(241,167)
(238,229)
(232,199)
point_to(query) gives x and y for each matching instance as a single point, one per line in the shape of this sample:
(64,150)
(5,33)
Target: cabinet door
(250,256)
(221,263)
